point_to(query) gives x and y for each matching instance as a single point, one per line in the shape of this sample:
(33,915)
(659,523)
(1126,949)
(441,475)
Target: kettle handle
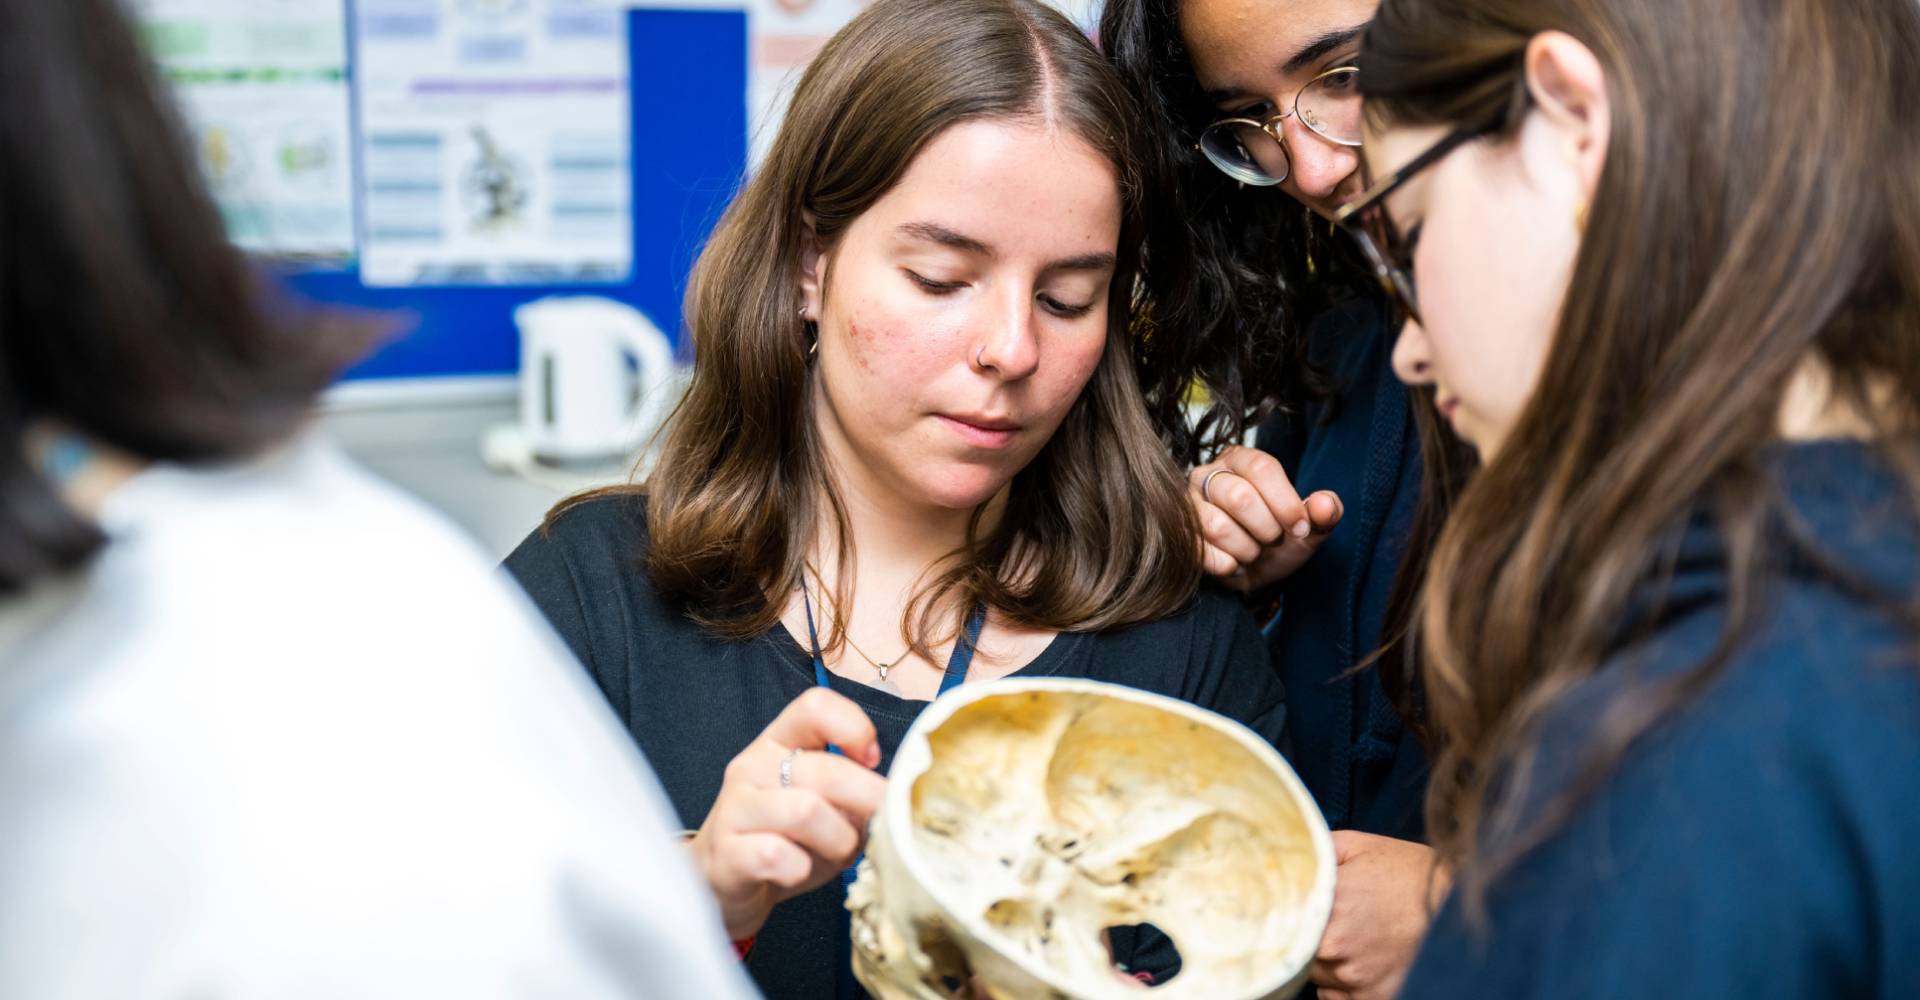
(653,363)
(539,403)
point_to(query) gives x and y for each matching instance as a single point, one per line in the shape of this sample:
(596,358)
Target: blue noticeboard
(689,153)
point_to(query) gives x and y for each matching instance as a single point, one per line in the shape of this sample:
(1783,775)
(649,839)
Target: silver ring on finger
(786,768)
(1208,482)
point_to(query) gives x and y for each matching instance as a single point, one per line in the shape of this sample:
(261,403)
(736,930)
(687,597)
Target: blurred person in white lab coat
(267,728)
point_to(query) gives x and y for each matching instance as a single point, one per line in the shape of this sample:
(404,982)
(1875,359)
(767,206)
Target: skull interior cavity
(1024,817)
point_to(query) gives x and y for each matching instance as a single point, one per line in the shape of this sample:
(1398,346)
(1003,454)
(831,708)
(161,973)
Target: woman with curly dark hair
(1252,296)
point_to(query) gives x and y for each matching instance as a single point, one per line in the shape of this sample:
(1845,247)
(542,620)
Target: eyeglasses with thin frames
(1366,218)
(1254,150)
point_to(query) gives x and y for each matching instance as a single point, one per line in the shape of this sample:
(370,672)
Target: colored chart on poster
(263,86)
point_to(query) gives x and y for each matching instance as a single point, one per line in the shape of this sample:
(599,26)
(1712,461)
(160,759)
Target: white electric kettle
(596,377)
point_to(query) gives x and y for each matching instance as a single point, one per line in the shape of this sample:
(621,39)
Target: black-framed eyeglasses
(1391,256)
(1254,150)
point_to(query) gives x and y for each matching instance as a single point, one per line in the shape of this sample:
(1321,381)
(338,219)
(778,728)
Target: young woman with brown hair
(913,453)
(1668,263)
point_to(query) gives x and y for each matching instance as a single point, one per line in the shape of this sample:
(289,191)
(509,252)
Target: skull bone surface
(1023,818)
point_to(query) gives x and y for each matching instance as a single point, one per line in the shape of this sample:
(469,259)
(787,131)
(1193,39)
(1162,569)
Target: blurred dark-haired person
(267,728)
(1662,264)
(913,455)
(1325,522)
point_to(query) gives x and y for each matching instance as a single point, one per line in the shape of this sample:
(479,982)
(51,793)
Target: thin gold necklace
(833,612)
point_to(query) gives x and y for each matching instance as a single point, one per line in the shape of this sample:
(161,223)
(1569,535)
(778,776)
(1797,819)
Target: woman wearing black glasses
(1253,295)
(1668,287)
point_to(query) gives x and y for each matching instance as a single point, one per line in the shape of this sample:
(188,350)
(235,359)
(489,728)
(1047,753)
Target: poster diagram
(494,141)
(263,87)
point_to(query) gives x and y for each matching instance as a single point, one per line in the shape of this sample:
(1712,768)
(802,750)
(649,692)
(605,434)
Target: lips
(1447,407)
(981,430)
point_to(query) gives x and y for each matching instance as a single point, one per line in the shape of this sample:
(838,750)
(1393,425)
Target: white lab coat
(290,735)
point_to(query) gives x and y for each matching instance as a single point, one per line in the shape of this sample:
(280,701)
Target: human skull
(1023,818)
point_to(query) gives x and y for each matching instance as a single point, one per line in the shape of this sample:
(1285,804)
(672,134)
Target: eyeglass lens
(1246,151)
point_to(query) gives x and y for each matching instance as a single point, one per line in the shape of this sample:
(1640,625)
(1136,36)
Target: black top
(1760,841)
(1363,766)
(693,700)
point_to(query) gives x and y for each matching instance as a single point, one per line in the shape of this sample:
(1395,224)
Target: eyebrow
(1319,46)
(933,232)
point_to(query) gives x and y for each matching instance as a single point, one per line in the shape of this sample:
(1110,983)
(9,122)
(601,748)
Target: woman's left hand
(1254,528)
(1383,898)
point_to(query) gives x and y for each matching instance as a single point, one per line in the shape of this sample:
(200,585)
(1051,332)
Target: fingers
(1325,975)
(1218,562)
(1324,511)
(1268,487)
(852,789)
(1219,529)
(803,817)
(1254,527)
(768,858)
(1236,495)
(1336,976)
(1348,844)
(1280,561)
(821,717)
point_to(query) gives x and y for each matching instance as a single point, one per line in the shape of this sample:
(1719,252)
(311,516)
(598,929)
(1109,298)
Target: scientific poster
(494,145)
(263,87)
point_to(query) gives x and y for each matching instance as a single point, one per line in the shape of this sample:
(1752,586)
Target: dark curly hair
(1232,277)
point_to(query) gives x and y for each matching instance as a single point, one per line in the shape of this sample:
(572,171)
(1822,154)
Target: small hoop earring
(1580,218)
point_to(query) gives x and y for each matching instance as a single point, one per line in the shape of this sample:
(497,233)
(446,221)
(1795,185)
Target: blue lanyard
(956,665)
(846,987)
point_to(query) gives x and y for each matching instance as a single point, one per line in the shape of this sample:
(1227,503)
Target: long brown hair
(1096,532)
(1760,205)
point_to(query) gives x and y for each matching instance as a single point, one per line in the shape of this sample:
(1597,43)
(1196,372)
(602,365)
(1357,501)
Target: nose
(1319,163)
(1011,347)
(1413,356)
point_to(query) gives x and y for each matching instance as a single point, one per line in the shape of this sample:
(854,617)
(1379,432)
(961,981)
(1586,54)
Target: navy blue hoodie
(1363,767)
(1763,841)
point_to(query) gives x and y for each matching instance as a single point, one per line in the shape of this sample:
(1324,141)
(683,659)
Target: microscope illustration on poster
(494,143)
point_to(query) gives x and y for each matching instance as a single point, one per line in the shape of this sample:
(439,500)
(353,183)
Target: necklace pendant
(883,668)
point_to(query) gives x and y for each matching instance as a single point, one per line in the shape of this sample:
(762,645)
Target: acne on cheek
(858,343)
(894,343)
(877,342)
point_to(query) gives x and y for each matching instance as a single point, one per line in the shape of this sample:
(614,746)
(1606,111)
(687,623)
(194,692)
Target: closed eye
(931,286)
(1063,310)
